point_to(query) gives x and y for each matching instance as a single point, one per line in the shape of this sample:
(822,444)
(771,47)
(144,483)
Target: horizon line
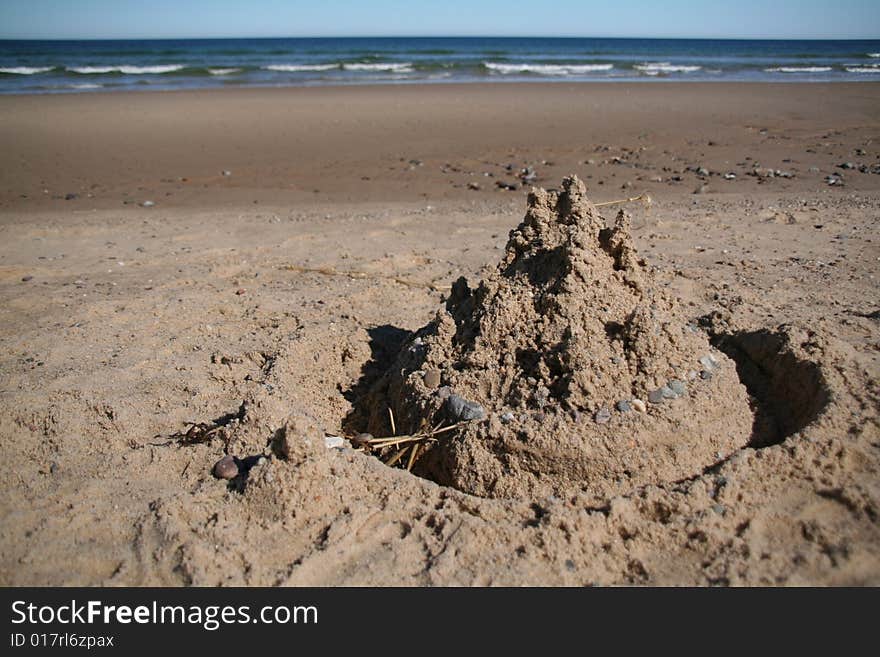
(443,36)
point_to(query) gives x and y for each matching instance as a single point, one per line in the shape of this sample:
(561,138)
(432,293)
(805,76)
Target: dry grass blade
(396,440)
(412,456)
(391,417)
(397,456)
(645,199)
(388,441)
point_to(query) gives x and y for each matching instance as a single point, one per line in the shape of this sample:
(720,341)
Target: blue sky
(83,19)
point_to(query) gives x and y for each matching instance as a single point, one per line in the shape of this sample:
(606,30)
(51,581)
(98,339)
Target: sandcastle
(568,369)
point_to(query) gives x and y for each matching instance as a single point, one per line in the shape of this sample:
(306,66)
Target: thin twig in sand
(397,456)
(391,417)
(412,456)
(645,199)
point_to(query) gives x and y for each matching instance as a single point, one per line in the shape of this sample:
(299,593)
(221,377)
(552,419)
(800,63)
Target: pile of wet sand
(569,368)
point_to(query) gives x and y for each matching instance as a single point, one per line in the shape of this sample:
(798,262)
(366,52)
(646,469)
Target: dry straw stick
(645,199)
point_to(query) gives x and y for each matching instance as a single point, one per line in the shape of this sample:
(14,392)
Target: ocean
(78,66)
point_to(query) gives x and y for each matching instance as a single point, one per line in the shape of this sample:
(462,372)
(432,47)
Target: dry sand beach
(194,274)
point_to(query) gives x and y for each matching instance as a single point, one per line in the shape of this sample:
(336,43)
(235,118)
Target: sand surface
(262,304)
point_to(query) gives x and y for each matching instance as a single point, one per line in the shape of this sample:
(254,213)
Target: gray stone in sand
(461,409)
(678,387)
(667,392)
(656,396)
(708,362)
(508,417)
(603,415)
(624,406)
(706,375)
(362,438)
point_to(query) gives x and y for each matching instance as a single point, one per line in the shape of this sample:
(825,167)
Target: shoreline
(423,83)
(452,83)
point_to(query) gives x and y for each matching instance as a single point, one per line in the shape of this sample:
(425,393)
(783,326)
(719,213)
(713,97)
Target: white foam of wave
(547,69)
(26,70)
(798,69)
(656,68)
(874,54)
(377,67)
(296,68)
(84,86)
(126,70)
(863,69)
(223,71)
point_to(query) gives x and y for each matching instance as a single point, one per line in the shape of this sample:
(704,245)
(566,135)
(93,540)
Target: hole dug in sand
(569,368)
(788,391)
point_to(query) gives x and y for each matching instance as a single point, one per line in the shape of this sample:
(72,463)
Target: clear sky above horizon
(130,19)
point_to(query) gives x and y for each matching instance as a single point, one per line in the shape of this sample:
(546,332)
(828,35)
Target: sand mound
(574,369)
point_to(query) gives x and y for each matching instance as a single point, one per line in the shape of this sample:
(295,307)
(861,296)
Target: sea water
(71,66)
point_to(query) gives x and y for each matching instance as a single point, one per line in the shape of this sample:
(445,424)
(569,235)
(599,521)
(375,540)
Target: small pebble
(624,406)
(462,409)
(147,204)
(718,508)
(227,173)
(226,468)
(333,442)
(362,438)
(678,387)
(25,279)
(603,415)
(639,405)
(707,362)
(706,375)
(692,374)
(657,396)
(432,378)
(508,417)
